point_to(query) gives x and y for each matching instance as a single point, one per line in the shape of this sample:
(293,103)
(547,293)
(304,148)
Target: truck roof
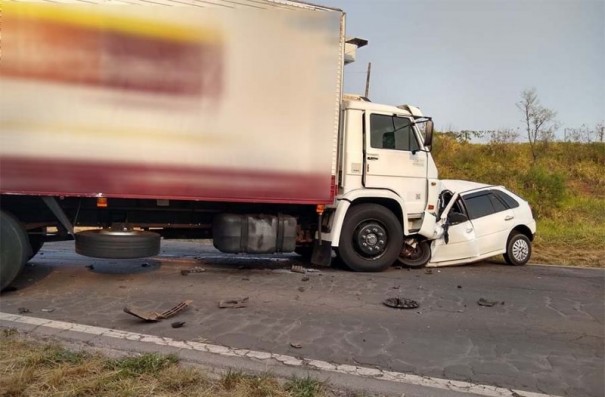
(360,103)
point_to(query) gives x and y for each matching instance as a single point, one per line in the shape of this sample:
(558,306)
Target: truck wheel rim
(371,239)
(520,250)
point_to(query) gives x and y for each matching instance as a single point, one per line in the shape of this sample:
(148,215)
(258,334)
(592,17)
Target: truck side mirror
(428,133)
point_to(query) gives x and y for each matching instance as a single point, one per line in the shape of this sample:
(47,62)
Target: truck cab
(384,164)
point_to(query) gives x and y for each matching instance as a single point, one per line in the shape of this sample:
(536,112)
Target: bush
(545,190)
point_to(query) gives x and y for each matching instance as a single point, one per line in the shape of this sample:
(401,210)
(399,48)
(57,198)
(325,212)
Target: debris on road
(49,310)
(306,278)
(233,303)
(301,289)
(295,345)
(196,269)
(459,286)
(177,324)
(155,316)
(298,269)
(22,310)
(401,303)
(428,271)
(486,303)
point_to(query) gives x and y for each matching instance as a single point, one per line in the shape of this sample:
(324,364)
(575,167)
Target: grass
(29,368)
(565,187)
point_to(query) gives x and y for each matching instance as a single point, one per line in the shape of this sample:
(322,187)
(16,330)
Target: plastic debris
(196,269)
(177,324)
(235,303)
(486,303)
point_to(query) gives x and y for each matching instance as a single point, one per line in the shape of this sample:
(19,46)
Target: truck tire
(518,249)
(14,248)
(117,244)
(415,257)
(371,238)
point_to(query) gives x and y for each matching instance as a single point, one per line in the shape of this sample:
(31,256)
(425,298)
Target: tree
(540,122)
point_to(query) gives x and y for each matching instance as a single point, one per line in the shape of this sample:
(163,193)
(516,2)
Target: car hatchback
(477,221)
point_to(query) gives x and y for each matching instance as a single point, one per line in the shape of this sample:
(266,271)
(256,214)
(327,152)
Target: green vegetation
(565,187)
(29,368)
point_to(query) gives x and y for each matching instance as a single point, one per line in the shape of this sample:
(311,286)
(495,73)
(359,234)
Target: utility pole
(368,79)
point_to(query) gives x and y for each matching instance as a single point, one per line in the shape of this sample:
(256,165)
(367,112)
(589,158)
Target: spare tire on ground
(112,244)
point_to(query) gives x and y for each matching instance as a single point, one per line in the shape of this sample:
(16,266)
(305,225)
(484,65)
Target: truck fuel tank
(254,233)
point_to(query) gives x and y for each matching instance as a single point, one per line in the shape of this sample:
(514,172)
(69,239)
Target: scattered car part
(401,303)
(155,316)
(235,303)
(177,324)
(488,303)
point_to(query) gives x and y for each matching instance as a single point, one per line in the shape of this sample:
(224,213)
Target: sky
(466,62)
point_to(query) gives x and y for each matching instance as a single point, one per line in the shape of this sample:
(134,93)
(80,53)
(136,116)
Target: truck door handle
(509,217)
(372,157)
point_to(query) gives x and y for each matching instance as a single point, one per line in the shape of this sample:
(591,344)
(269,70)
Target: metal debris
(486,303)
(49,310)
(155,316)
(295,345)
(196,269)
(233,303)
(401,303)
(177,324)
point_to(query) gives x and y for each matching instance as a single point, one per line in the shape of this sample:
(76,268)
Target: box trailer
(202,119)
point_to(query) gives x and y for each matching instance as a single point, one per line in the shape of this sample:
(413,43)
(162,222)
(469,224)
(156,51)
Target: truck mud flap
(322,253)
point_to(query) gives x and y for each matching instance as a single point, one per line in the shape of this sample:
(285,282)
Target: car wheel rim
(520,250)
(371,239)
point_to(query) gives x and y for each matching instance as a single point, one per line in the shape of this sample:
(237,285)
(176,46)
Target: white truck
(221,119)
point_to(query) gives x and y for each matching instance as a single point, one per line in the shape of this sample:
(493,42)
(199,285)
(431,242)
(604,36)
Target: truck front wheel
(371,238)
(14,248)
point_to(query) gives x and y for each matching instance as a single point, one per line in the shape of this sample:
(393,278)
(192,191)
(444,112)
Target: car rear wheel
(518,249)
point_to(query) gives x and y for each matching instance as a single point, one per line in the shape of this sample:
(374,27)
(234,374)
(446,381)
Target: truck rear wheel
(113,244)
(14,248)
(371,238)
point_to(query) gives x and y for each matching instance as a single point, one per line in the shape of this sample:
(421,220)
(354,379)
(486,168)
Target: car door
(393,159)
(491,219)
(458,240)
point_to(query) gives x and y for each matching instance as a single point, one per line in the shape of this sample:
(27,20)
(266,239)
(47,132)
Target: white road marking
(426,381)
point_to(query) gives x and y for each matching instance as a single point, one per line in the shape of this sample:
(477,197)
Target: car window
(482,204)
(510,202)
(392,132)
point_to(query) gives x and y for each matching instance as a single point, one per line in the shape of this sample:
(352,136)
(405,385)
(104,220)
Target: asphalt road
(545,334)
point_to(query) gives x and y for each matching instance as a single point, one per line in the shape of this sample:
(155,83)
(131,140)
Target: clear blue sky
(466,62)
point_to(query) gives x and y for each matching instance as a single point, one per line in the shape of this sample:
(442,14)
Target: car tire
(117,244)
(14,248)
(418,257)
(371,238)
(518,249)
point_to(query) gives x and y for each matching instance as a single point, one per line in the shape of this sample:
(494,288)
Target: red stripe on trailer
(57,177)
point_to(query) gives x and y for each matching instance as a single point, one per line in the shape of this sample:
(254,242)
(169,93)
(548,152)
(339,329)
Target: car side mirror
(455,218)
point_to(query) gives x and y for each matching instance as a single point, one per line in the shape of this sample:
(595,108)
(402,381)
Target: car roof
(460,186)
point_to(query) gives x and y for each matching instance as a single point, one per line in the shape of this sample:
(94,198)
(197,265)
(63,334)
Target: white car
(477,221)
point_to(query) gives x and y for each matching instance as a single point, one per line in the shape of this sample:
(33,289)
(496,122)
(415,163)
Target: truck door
(393,159)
